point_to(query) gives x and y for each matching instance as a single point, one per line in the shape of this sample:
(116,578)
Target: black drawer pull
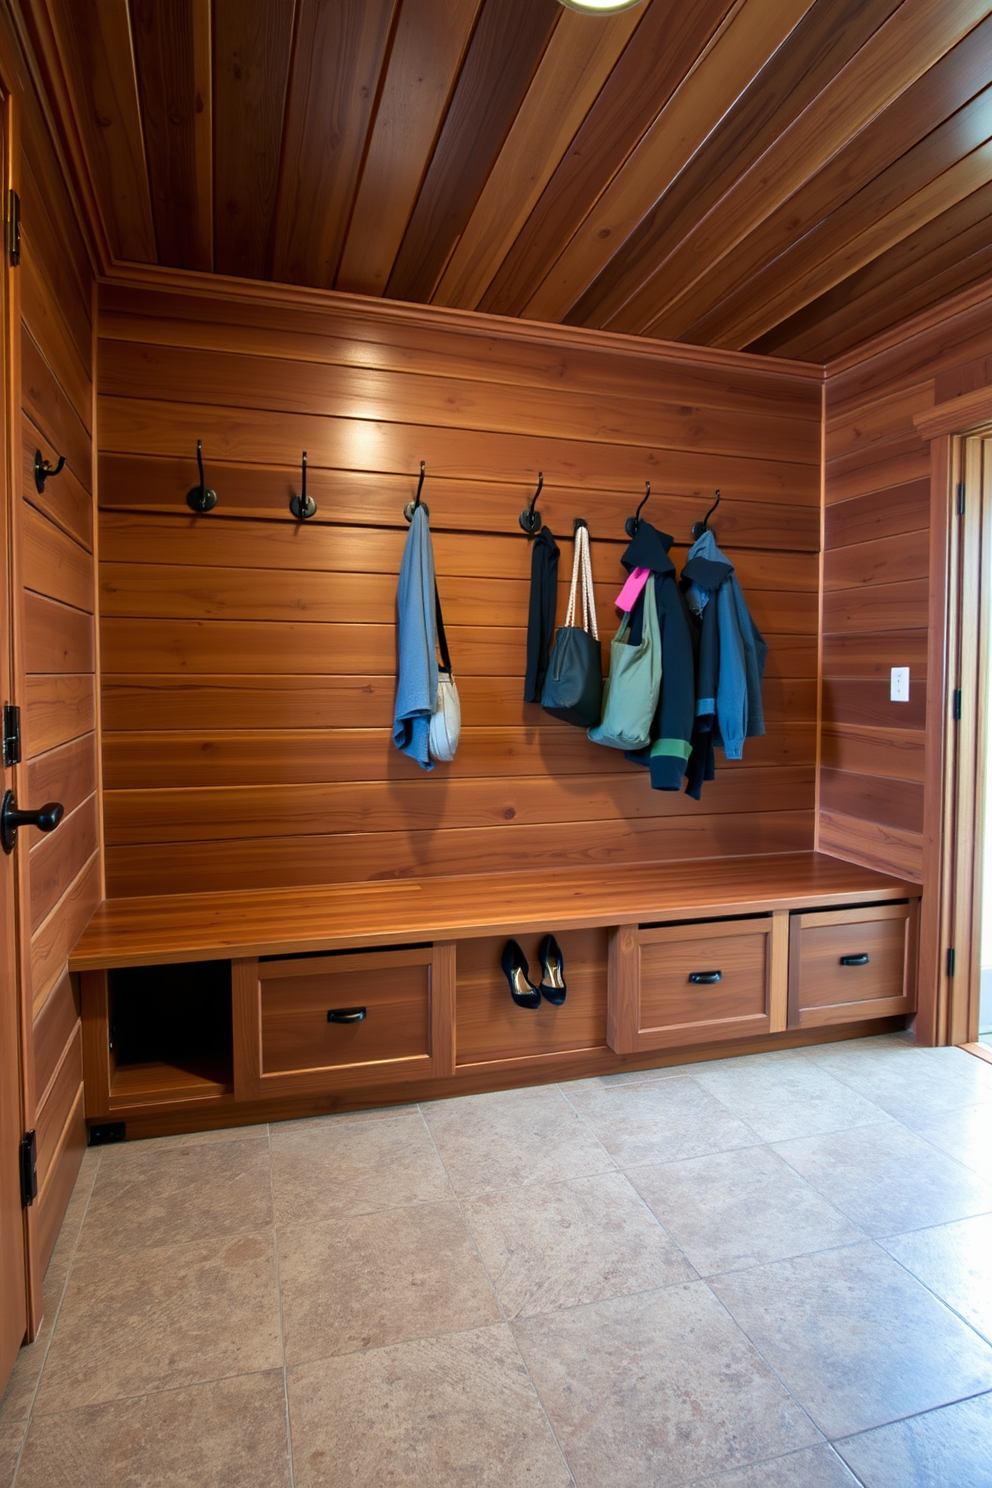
(861,960)
(705,978)
(346,1015)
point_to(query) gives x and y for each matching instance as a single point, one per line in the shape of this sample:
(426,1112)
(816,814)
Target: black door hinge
(11,735)
(950,961)
(14,228)
(960,498)
(29,1169)
(956,705)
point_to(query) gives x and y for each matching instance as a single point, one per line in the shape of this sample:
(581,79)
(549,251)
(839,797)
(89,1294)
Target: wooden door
(13,1300)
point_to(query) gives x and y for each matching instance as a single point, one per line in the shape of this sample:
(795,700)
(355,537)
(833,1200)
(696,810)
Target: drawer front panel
(852,964)
(682,1002)
(296,1033)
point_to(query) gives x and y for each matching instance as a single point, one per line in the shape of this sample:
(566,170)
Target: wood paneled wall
(59,874)
(249,660)
(876,576)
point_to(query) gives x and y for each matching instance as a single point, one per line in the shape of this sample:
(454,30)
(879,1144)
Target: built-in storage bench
(203,1011)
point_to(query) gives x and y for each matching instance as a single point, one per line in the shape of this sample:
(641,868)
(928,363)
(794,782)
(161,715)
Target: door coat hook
(411,506)
(199,497)
(42,469)
(303,506)
(698,528)
(632,523)
(530,518)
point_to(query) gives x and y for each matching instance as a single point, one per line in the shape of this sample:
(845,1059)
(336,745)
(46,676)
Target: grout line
(282,1330)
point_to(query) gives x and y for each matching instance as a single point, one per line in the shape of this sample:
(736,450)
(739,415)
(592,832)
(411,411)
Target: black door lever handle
(46,819)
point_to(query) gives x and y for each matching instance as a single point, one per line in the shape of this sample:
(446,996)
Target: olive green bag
(630,692)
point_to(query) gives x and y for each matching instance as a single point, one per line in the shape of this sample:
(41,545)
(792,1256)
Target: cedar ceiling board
(56,637)
(879,514)
(819,268)
(748,36)
(52,942)
(899,753)
(135,426)
(285,861)
(822,41)
(883,849)
(132,932)
(55,710)
(95,42)
(54,564)
(506,48)
(885,560)
(578,60)
(213,814)
(42,313)
(139,484)
(893,803)
(138,760)
(67,774)
(668,41)
(166,69)
(218,379)
(48,407)
(877,607)
(64,501)
(338,53)
(869,657)
(56,860)
(900,51)
(424,61)
(252,41)
(705,313)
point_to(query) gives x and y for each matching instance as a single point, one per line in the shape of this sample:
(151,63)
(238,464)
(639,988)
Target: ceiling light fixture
(600,7)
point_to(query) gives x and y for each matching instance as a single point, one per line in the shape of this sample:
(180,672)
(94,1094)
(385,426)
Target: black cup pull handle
(861,960)
(705,978)
(346,1015)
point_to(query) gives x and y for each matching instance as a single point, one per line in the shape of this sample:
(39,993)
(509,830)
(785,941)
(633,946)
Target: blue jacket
(416,641)
(732,651)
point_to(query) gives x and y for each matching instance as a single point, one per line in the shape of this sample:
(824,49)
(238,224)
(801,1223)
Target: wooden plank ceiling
(783,176)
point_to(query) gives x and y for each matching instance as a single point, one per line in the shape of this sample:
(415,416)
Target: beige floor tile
(11,1440)
(372,1279)
(650,1391)
(955,1262)
(513,1138)
(148,1195)
(949,1448)
(736,1209)
(780,1098)
(162,1318)
(257,1133)
(816,1467)
(325,1169)
(965,1134)
(229,1434)
(572,1243)
(886,1179)
(911,1088)
(451,1412)
(855,1338)
(661,1121)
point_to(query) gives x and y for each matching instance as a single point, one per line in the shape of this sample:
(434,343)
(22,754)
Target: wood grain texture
(64,501)
(885,849)
(53,564)
(54,1026)
(489,1024)
(55,858)
(56,709)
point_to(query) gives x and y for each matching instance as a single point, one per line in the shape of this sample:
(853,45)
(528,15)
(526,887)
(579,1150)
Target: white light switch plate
(899,685)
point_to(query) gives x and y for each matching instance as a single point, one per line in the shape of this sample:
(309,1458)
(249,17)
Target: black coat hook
(530,518)
(303,506)
(632,523)
(42,469)
(199,497)
(698,528)
(411,506)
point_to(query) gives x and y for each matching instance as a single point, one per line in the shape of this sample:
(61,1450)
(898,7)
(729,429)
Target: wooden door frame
(956,658)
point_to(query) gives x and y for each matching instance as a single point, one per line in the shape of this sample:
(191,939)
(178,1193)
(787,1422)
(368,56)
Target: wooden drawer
(682,985)
(849,964)
(308,1024)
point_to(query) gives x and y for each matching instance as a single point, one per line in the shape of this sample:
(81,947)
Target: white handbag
(446,719)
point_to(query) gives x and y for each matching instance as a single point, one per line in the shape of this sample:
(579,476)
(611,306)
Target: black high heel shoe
(552,971)
(516,969)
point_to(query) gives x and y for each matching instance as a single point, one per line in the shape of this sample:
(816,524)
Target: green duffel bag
(630,692)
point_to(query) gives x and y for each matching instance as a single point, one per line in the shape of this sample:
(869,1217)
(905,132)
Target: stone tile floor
(765,1272)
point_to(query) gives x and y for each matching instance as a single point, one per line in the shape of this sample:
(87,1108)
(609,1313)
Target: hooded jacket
(732,653)
(668,753)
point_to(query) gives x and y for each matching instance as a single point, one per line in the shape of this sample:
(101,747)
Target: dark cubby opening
(174,1015)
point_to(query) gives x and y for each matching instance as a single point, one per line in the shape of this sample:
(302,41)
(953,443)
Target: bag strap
(582,570)
(442,639)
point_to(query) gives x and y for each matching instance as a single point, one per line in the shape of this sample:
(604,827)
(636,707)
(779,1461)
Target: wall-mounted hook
(42,469)
(632,523)
(199,497)
(698,528)
(303,506)
(411,506)
(530,518)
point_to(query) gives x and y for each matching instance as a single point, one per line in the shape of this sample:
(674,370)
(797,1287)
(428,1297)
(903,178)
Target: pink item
(628,594)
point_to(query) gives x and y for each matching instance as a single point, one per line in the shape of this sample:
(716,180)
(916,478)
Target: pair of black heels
(517,972)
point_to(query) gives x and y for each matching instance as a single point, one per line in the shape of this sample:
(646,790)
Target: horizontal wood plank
(885,560)
(56,709)
(57,638)
(897,753)
(52,942)
(882,848)
(54,564)
(873,798)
